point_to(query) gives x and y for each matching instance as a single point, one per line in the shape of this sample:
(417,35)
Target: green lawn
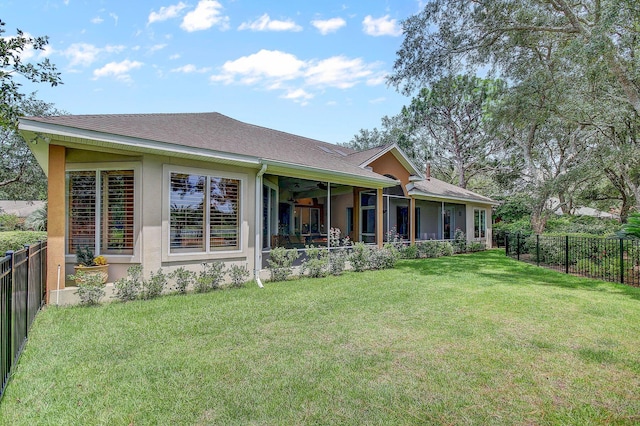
(470,339)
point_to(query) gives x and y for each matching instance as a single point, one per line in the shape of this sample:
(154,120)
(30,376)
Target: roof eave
(424,195)
(333,176)
(89,137)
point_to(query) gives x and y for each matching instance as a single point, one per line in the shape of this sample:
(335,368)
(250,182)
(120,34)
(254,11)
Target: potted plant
(88,264)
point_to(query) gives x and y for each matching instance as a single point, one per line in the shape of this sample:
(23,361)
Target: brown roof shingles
(437,188)
(216,132)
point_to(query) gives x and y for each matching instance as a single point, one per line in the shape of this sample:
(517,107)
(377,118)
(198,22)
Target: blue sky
(313,68)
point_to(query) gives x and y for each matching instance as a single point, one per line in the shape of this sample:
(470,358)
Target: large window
(204,213)
(480,223)
(101,211)
(368,217)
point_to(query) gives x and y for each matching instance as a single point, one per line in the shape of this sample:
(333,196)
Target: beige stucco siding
(151,247)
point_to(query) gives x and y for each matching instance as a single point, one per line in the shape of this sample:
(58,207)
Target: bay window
(204,213)
(100,207)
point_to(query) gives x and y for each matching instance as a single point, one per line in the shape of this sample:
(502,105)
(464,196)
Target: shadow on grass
(493,264)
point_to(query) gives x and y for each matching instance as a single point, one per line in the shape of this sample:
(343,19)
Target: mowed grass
(470,339)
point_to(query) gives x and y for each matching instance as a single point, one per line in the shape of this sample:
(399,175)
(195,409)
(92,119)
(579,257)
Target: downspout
(258,247)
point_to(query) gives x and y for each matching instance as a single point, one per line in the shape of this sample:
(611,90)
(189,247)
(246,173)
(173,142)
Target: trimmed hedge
(16,240)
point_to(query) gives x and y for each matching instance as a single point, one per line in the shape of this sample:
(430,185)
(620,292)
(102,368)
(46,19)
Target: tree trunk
(538,220)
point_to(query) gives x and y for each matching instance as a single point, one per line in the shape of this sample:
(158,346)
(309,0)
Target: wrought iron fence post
(538,249)
(621,260)
(518,245)
(506,244)
(566,254)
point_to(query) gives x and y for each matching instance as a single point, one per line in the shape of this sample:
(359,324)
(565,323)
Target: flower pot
(102,270)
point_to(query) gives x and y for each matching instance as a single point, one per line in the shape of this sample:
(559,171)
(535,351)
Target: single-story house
(170,190)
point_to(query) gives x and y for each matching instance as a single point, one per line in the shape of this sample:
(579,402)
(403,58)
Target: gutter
(258,214)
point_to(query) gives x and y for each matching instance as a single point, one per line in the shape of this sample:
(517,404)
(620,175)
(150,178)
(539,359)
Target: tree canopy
(20,175)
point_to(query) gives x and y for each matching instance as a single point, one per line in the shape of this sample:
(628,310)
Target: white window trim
(167,256)
(476,209)
(137,209)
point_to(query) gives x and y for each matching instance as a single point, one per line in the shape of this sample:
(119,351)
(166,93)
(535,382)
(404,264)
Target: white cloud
(166,12)
(338,71)
(381,26)
(174,56)
(157,47)
(206,15)
(84,54)
(265,23)
(119,70)
(272,65)
(114,17)
(329,25)
(377,100)
(81,54)
(97,20)
(296,78)
(299,96)
(190,68)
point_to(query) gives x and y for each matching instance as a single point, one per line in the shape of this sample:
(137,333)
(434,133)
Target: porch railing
(22,293)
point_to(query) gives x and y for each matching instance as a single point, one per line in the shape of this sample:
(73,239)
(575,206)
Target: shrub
(459,241)
(239,275)
(409,252)
(16,240)
(475,246)
(10,222)
(445,248)
(337,261)
(280,263)
(84,256)
(128,288)
(316,262)
(184,278)
(90,288)
(37,221)
(428,249)
(383,258)
(154,286)
(360,257)
(210,277)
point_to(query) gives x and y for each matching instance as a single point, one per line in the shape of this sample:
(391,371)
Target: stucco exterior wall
(151,246)
(339,205)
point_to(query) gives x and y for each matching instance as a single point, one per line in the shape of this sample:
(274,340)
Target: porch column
(328,230)
(356,214)
(442,214)
(55,218)
(379,218)
(412,221)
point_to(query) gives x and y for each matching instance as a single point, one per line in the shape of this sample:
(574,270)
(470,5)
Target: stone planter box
(102,270)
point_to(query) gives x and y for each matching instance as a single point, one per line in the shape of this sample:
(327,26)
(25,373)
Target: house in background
(171,190)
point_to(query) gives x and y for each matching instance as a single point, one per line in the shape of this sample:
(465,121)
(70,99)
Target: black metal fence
(608,259)
(23,276)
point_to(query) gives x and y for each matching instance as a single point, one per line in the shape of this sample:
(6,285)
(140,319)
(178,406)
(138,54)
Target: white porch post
(258,228)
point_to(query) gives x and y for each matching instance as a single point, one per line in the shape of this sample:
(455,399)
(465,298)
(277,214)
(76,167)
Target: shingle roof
(359,157)
(217,132)
(433,187)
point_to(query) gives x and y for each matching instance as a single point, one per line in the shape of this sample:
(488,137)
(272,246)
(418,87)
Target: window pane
(224,213)
(187,213)
(117,212)
(82,211)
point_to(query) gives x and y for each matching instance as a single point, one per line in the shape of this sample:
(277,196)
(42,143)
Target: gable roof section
(208,135)
(364,158)
(438,189)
